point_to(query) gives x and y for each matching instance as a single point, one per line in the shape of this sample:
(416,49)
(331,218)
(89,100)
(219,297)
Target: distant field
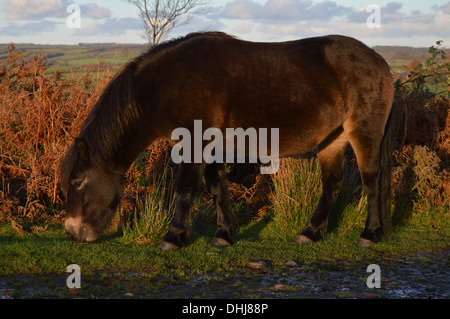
(75,58)
(398,57)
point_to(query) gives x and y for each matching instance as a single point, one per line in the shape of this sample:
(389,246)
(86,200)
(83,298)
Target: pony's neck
(134,143)
(117,128)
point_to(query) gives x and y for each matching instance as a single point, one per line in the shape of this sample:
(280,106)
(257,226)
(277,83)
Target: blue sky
(411,23)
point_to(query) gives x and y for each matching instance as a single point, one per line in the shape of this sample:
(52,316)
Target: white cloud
(259,20)
(289,19)
(242,9)
(445,8)
(111,26)
(14,29)
(243,28)
(92,10)
(33,10)
(38,10)
(283,10)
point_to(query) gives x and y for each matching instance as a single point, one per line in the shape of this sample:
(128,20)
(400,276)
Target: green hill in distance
(76,58)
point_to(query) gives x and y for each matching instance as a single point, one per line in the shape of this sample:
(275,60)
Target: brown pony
(322,92)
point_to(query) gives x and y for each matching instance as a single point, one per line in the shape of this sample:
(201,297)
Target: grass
(150,220)
(199,270)
(126,258)
(297,189)
(50,251)
(132,245)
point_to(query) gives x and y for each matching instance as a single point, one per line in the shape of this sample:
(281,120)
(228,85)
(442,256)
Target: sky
(417,23)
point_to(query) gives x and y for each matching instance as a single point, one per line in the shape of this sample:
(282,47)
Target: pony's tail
(385,179)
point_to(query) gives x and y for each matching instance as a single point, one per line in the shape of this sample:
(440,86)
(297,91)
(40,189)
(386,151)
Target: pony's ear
(83,155)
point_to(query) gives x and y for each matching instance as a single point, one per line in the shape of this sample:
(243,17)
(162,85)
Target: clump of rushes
(297,188)
(152,215)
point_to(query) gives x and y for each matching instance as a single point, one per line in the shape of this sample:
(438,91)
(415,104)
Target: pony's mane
(153,51)
(116,110)
(111,116)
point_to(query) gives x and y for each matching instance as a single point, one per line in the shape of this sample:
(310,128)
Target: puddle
(417,277)
(6,293)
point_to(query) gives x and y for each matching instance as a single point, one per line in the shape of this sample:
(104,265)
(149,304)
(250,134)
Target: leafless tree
(161,16)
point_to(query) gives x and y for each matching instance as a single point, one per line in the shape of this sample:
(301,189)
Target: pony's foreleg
(189,181)
(216,179)
(331,160)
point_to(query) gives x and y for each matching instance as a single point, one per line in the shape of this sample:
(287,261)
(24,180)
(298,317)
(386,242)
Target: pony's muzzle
(79,232)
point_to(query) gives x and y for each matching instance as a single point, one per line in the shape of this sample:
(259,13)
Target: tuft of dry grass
(153,212)
(297,189)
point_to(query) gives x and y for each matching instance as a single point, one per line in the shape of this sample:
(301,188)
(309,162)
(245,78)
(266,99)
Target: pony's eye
(77,184)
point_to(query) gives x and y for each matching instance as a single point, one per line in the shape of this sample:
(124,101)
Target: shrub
(428,180)
(435,71)
(40,115)
(421,119)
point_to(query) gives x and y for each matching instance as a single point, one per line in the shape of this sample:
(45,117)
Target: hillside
(399,56)
(72,58)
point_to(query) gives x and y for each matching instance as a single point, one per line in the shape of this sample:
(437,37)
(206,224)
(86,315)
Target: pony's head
(92,194)
(90,175)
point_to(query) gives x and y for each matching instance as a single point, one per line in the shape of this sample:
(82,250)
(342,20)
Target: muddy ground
(422,276)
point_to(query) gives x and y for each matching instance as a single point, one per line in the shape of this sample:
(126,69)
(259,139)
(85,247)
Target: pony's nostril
(87,234)
(72,225)
(71,236)
(83,233)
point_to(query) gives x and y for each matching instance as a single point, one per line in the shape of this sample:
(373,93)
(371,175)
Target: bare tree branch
(159,17)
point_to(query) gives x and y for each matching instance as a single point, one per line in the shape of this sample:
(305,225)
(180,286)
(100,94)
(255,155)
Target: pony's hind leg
(366,141)
(331,160)
(216,180)
(189,181)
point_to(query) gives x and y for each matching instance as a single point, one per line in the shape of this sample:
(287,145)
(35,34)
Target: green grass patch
(132,245)
(50,251)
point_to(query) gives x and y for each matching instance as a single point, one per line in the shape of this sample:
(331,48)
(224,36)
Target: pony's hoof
(302,239)
(220,242)
(166,246)
(362,242)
